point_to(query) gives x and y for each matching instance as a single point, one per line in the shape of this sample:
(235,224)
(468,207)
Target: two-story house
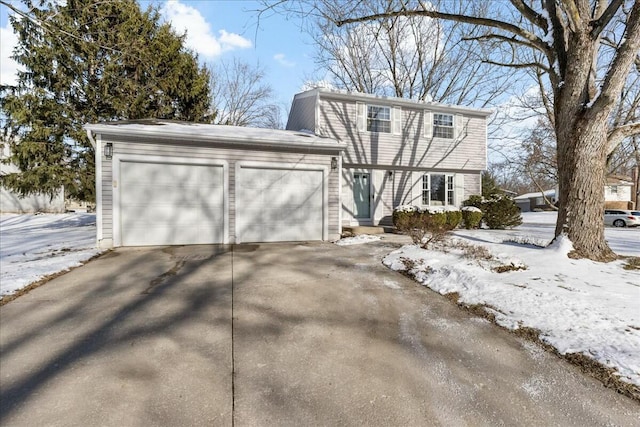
(398,151)
(346,159)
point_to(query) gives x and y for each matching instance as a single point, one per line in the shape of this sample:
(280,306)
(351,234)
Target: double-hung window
(378,119)
(443,125)
(438,190)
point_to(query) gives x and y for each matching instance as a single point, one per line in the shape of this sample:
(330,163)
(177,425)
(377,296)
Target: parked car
(621,218)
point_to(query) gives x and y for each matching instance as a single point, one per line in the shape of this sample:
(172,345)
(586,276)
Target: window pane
(378,119)
(438,190)
(443,126)
(425,189)
(450,194)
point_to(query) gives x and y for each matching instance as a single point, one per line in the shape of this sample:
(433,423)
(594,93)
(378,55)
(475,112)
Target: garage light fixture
(108,150)
(334,163)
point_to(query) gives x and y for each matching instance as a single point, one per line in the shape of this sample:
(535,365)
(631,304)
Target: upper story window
(378,119)
(443,125)
(614,189)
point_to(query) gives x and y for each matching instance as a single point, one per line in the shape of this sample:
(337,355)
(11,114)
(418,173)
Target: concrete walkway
(321,335)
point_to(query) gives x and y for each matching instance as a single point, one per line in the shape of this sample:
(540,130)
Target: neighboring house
(11,202)
(536,201)
(171,183)
(617,195)
(398,151)
(618,192)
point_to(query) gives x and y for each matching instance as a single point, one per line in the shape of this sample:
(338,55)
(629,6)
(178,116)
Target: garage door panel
(166,203)
(279,204)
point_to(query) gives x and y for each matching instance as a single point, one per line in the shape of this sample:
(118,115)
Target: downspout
(98,182)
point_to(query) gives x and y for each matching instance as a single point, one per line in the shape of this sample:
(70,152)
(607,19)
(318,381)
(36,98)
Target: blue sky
(221,30)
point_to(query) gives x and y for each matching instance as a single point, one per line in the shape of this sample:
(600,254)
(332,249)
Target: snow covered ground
(579,306)
(34,246)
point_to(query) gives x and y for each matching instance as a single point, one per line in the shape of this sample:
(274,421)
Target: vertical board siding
(232,156)
(337,119)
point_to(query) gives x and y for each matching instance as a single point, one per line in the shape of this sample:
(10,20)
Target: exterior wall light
(334,163)
(108,150)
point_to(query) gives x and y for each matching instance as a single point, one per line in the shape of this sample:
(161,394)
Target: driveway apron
(321,335)
(138,337)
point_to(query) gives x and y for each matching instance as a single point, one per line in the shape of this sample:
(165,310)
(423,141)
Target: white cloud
(282,60)
(8,67)
(200,36)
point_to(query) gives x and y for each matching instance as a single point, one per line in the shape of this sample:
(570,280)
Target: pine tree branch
(48,27)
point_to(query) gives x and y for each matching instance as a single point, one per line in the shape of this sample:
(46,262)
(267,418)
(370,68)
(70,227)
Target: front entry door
(361,195)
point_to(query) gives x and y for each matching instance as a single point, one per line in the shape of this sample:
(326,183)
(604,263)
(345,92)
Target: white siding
(338,119)
(227,153)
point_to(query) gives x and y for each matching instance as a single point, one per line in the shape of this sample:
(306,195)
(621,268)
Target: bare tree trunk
(580,214)
(582,143)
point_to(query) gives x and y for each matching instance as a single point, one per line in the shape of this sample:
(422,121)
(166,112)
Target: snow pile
(470,209)
(357,240)
(35,246)
(429,209)
(579,306)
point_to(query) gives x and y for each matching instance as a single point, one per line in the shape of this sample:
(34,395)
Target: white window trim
(429,126)
(446,182)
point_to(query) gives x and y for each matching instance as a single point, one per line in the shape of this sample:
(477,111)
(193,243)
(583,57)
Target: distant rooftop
(547,193)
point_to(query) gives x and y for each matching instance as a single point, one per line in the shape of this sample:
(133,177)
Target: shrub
(424,226)
(471,217)
(475,201)
(454,218)
(501,211)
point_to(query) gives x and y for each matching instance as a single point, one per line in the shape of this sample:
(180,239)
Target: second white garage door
(171,203)
(279,205)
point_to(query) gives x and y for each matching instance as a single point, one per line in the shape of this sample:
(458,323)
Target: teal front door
(361,195)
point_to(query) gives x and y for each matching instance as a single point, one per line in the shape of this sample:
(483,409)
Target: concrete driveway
(321,335)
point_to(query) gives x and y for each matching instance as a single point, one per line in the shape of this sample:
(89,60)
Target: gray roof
(187,131)
(389,100)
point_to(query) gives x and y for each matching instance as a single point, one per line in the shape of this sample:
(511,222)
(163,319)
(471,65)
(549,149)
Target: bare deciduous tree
(414,57)
(240,96)
(585,50)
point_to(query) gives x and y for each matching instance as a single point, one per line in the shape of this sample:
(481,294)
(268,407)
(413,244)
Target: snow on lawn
(579,306)
(357,240)
(33,246)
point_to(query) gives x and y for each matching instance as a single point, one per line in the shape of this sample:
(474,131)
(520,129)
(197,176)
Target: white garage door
(171,204)
(279,205)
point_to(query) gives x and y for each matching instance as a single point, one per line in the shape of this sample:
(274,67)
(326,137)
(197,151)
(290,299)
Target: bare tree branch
(533,16)
(486,22)
(615,78)
(603,20)
(624,131)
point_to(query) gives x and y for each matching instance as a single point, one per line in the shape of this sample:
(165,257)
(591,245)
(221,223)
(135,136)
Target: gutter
(235,140)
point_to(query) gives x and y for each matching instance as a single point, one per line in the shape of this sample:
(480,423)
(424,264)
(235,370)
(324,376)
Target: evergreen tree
(85,62)
(489,185)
